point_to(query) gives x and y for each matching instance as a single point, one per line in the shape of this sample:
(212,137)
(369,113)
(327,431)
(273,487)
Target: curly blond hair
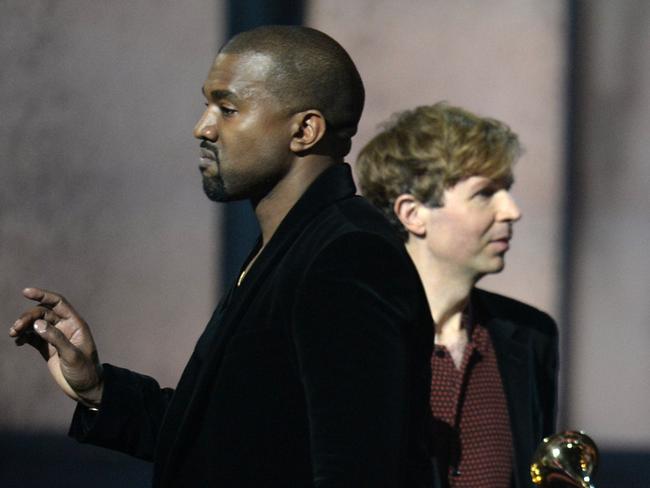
(428,149)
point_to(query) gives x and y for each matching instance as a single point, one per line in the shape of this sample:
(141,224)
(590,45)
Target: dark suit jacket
(314,372)
(525,343)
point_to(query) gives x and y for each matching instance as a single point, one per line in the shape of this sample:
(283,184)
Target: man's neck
(447,290)
(275,205)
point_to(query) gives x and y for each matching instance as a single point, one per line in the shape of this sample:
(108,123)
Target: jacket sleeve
(130,416)
(548,379)
(351,328)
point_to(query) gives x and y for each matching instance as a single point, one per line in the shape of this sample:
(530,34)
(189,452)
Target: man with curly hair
(442,176)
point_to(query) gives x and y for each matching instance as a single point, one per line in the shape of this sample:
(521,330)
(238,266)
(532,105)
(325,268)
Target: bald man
(314,369)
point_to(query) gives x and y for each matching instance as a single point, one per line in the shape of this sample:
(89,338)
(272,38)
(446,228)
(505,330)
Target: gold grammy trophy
(566,459)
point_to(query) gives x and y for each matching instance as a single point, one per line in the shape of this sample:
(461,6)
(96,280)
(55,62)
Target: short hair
(311,71)
(428,149)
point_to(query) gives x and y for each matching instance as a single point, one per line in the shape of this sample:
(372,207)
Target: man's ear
(309,128)
(410,213)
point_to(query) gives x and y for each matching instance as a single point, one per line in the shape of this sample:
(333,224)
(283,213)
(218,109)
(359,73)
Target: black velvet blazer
(315,372)
(525,342)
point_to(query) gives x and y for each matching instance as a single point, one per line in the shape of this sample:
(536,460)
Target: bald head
(310,70)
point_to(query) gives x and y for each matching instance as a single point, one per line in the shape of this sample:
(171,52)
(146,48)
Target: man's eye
(486,192)
(227,111)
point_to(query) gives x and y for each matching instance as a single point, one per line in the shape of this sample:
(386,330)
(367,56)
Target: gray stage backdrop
(100,196)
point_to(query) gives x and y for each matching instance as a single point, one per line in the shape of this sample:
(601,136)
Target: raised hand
(64,340)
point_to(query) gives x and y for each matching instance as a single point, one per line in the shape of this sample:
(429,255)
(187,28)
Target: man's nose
(206,127)
(508,208)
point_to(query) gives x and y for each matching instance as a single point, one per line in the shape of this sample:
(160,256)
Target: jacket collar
(514,367)
(332,185)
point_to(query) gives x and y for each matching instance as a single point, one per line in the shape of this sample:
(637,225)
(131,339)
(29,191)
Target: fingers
(78,374)
(25,332)
(53,336)
(51,300)
(33,339)
(25,322)
(27,337)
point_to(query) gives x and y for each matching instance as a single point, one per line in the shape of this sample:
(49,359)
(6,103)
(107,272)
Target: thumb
(53,336)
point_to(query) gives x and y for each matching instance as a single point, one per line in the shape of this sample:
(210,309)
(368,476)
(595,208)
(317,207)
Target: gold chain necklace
(241,277)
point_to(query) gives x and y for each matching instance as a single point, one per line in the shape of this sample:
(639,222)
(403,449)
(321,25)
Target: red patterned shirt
(472,437)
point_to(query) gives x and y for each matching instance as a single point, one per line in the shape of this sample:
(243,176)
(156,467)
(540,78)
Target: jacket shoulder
(357,214)
(353,239)
(522,314)
(352,223)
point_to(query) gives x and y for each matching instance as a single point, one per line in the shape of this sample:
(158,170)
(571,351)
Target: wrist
(92,398)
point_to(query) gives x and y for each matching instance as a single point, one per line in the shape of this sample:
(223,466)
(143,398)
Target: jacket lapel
(334,184)
(514,367)
(178,411)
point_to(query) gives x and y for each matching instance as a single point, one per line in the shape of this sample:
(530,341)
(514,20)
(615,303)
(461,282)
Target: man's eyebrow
(220,95)
(481,181)
(501,180)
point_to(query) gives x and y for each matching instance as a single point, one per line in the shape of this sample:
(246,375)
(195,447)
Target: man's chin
(217,197)
(497,265)
(493,266)
(215,190)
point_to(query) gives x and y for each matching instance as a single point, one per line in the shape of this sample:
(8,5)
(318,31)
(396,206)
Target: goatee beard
(215,189)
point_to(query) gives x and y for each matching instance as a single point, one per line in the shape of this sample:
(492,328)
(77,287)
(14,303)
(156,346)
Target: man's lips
(208,157)
(209,150)
(208,154)
(505,238)
(502,242)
